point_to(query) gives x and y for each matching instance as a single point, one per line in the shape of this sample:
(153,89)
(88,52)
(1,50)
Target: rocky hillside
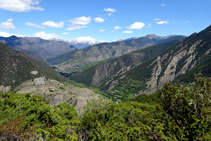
(23,74)
(178,63)
(16,67)
(44,48)
(187,57)
(97,75)
(81,59)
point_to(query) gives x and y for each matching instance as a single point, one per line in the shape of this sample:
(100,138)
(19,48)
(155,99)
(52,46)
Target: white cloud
(157,19)
(109,14)
(53,24)
(8,24)
(127,31)
(81,20)
(44,35)
(137,25)
(109,9)
(20,5)
(65,33)
(6,34)
(34,25)
(117,27)
(74,27)
(149,25)
(86,38)
(99,20)
(10,20)
(162,5)
(186,22)
(102,30)
(163,22)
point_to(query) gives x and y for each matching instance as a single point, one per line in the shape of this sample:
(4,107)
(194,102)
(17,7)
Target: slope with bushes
(178,113)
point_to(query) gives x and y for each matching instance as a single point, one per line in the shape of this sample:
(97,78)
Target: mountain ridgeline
(137,73)
(44,48)
(79,60)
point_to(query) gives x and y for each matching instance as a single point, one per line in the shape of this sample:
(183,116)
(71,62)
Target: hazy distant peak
(153,36)
(78,43)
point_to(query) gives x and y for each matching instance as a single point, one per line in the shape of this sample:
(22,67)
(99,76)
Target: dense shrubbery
(25,113)
(173,113)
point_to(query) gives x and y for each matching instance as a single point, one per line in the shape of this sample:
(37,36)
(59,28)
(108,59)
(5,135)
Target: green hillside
(16,67)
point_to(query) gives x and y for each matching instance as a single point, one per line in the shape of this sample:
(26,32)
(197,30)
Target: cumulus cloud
(102,30)
(186,22)
(86,38)
(34,25)
(65,33)
(81,20)
(127,31)
(74,27)
(109,10)
(44,35)
(149,25)
(117,27)
(137,25)
(8,24)
(20,5)
(162,5)
(53,24)
(163,22)
(99,20)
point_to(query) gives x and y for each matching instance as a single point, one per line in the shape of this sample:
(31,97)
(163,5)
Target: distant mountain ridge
(44,48)
(81,59)
(150,36)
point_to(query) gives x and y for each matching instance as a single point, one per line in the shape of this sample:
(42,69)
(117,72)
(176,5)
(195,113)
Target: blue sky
(102,20)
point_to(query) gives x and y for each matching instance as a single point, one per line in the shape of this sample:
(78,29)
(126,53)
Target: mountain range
(79,60)
(44,48)
(146,70)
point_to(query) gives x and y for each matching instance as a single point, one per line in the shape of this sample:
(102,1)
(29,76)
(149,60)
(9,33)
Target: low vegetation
(172,113)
